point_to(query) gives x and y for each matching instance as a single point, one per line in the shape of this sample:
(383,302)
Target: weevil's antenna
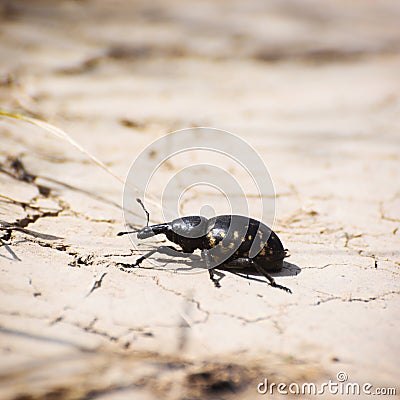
(137,230)
(144,209)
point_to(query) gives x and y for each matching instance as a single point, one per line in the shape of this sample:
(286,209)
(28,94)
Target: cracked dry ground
(323,114)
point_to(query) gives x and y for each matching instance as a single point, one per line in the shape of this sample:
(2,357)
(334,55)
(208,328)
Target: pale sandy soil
(314,87)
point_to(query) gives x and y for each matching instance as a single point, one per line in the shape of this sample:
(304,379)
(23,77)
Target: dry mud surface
(313,86)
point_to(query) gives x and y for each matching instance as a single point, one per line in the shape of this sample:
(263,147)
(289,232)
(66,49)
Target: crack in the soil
(363,267)
(356,299)
(382,212)
(31,219)
(187,298)
(97,284)
(278,327)
(243,319)
(177,293)
(90,328)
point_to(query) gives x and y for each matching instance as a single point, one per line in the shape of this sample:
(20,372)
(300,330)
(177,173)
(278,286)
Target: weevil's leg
(270,278)
(168,250)
(248,262)
(212,272)
(216,281)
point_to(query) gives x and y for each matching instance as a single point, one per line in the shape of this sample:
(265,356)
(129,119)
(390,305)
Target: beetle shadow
(192,261)
(181,264)
(288,269)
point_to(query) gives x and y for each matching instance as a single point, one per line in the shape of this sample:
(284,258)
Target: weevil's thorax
(188,232)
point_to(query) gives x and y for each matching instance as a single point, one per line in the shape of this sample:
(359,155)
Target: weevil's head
(152,230)
(145,233)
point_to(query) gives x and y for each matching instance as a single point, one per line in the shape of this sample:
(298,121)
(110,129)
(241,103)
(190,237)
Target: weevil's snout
(145,233)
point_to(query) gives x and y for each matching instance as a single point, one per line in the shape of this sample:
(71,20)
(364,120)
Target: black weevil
(227,242)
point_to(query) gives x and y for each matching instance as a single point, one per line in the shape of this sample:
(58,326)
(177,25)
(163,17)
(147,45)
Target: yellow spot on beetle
(236,235)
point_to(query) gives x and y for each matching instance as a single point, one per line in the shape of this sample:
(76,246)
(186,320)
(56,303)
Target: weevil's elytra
(227,242)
